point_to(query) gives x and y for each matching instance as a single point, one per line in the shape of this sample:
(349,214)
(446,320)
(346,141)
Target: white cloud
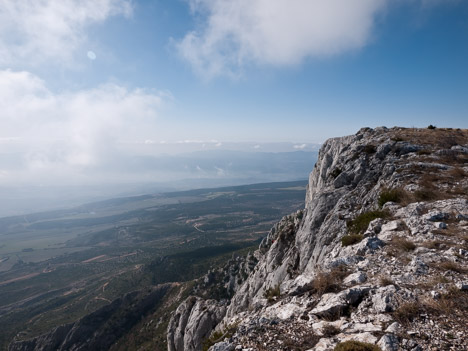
(280,33)
(220,172)
(300,146)
(33,31)
(71,130)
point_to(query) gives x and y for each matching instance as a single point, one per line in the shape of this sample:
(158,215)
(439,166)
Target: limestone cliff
(378,255)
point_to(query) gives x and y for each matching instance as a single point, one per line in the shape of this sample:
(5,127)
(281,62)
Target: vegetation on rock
(356,346)
(361,222)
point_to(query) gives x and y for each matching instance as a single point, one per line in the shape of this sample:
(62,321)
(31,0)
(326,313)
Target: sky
(82,81)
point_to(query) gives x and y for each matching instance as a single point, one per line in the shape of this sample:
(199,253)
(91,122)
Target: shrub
(369,149)
(406,312)
(356,346)
(430,126)
(218,336)
(453,302)
(451,266)
(385,281)
(330,330)
(351,239)
(425,195)
(361,222)
(403,244)
(271,293)
(423,152)
(392,195)
(326,282)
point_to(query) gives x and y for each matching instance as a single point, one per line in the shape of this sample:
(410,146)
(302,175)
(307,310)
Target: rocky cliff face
(378,255)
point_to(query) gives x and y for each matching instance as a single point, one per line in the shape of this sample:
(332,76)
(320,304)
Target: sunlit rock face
(377,255)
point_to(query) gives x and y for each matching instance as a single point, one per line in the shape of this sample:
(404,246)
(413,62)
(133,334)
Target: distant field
(58,266)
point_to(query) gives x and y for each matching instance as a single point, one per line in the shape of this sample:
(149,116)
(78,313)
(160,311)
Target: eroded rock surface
(378,255)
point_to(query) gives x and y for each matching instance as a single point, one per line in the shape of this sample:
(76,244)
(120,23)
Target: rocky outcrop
(382,240)
(193,322)
(100,329)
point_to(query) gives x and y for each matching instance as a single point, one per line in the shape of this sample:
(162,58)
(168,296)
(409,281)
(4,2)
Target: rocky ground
(379,255)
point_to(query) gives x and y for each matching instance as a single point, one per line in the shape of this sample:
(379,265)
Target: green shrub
(271,293)
(391,195)
(351,239)
(361,222)
(356,346)
(218,336)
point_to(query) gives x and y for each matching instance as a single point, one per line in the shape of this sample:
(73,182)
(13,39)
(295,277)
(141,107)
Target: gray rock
(436,216)
(393,328)
(222,346)
(440,225)
(368,245)
(383,150)
(342,180)
(355,278)
(192,322)
(388,342)
(384,299)
(417,266)
(334,304)
(462,286)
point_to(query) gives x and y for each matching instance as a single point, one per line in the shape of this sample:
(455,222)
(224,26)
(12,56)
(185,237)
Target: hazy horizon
(92,92)
(138,174)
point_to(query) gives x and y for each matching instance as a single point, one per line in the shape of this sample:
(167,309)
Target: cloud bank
(33,31)
(55,135)
(234,34)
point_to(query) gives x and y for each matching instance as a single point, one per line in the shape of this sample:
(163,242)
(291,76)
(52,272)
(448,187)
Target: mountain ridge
(379,255)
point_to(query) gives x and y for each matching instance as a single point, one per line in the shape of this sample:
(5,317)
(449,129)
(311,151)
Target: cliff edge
(378,255)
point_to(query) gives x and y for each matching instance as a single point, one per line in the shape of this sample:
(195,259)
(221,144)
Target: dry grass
(451,266)
(457,173)
(440,138)
(450,231)
(403,245)
(433,281)
(356,346)
(330,330)
(326,282)
(434,244)
(452,302)
(397,195)
(271,294)
(407,311)
(385,281)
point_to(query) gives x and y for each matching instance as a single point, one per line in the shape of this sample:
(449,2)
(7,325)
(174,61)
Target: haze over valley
(221,175)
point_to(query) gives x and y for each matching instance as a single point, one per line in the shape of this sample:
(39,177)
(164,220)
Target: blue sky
(166,71)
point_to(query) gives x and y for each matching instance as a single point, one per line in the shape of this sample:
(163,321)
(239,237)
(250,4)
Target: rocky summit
(377,260)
